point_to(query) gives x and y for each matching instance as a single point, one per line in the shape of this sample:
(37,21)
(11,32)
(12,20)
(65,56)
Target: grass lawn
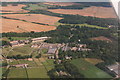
(15,62)
(3,70)
(39,72)
(22,50)
(49,64)
(30,63)
(17,73)
(93,60)
(5,51)
(44,51)
(89,70)
(82,25)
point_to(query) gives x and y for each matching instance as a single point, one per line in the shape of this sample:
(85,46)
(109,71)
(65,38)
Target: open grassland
(13,38)
(93,60)
(82,25)
(23,50)
(5,51)
(60,3)
(89,70)
(13,9)
(9,25)
(101,12)
(39,72)
(3,70)
(38,18)
(17,73)
(37,6)
(19,38)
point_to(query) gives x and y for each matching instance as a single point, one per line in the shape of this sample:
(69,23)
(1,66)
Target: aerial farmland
(58,40)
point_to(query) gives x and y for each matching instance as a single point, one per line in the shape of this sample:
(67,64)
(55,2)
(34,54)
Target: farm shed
(115,68)
(52,50)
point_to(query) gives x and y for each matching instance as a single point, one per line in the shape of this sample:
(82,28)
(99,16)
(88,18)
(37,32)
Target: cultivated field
(89,70)
(102,38)
(9,25)
(101,12)
(13,9)
(39,18)
(60,3)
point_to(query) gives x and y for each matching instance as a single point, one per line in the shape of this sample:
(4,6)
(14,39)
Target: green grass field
(22,50)
(89,70)
(19,38)
(17,73)
(5,51)
(39,72)
(14,38)
(82,25)
(35,69)
(37,6)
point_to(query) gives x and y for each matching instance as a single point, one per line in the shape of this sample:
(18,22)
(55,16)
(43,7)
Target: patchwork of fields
(33,71)
(19,20)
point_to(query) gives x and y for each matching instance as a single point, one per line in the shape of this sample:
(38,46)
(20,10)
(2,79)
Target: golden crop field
(9,25)
(101,12)
(39,18)
(13,9)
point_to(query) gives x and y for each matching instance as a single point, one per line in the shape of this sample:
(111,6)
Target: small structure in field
(82,45)
(51,57)
(30,59)
(74,48)
(17,43)
(68,57)
(84,49)
(20,65)
(52,50)
(39,39)
(115,68)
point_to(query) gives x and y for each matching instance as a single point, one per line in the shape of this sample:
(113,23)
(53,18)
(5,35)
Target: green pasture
(89,70)
(82,25)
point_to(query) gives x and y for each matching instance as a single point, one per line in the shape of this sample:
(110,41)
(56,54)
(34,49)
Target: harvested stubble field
(13,9)
(101,12)
(60,3)
(39,18)
(102,38)
(93,61)
(9,25)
